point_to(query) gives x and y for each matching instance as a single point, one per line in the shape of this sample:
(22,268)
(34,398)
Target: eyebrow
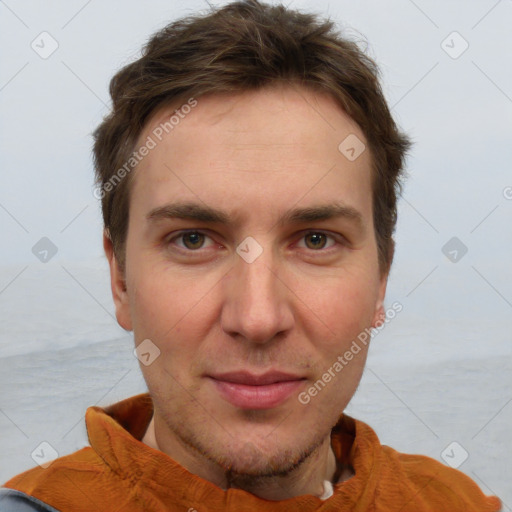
(320,213)
(203,213)
(189,211)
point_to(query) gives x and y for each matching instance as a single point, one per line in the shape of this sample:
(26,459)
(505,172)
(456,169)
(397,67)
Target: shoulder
(12,500)
(54,484)
(429,482)
(84,459)
(395,480)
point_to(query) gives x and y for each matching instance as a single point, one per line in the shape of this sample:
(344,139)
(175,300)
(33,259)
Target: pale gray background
(440,372)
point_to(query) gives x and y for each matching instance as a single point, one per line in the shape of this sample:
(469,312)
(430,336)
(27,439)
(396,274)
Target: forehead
(273,146)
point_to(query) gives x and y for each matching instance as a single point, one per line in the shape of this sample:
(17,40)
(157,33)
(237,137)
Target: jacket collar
(115,434)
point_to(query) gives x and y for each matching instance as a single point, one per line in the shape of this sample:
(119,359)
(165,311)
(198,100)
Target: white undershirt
(328,490)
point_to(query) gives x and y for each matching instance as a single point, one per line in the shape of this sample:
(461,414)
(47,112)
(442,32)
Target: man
(248,174)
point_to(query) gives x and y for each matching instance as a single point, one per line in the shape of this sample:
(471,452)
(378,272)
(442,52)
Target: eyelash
(339,240)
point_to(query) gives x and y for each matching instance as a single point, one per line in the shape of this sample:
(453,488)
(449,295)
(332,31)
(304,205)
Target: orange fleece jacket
(120,473)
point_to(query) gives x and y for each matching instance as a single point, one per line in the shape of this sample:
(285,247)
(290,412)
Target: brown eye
(315,240)
(193,240)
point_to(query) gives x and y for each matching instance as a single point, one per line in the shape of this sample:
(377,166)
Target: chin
(251,461)
(262,456)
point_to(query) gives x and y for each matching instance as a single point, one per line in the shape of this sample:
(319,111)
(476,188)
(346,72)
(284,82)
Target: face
(251,264)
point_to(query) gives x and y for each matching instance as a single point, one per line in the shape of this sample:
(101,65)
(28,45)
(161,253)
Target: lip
(249,391)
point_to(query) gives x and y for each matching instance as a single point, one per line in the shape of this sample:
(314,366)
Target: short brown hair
(242,46)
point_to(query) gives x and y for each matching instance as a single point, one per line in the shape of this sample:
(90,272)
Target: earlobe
(117,285)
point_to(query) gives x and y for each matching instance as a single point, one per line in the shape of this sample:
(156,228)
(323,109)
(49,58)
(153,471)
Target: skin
(296,308)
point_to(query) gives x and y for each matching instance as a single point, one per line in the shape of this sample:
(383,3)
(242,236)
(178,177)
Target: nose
(257,302)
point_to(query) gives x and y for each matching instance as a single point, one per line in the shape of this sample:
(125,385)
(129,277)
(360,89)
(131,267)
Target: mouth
(250,391)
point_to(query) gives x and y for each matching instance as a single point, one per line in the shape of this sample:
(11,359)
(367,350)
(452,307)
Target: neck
(307,478)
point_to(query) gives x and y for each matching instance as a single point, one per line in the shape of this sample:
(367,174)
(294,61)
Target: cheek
(170,306)
(339,309)
(344,311)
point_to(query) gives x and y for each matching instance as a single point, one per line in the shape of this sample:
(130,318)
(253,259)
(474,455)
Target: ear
(118,286)
(379,315)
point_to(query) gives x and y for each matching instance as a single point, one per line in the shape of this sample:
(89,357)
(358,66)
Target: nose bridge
(256,303)
(259,282)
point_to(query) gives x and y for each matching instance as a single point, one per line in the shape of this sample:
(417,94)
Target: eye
(191,240)
(317,240)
